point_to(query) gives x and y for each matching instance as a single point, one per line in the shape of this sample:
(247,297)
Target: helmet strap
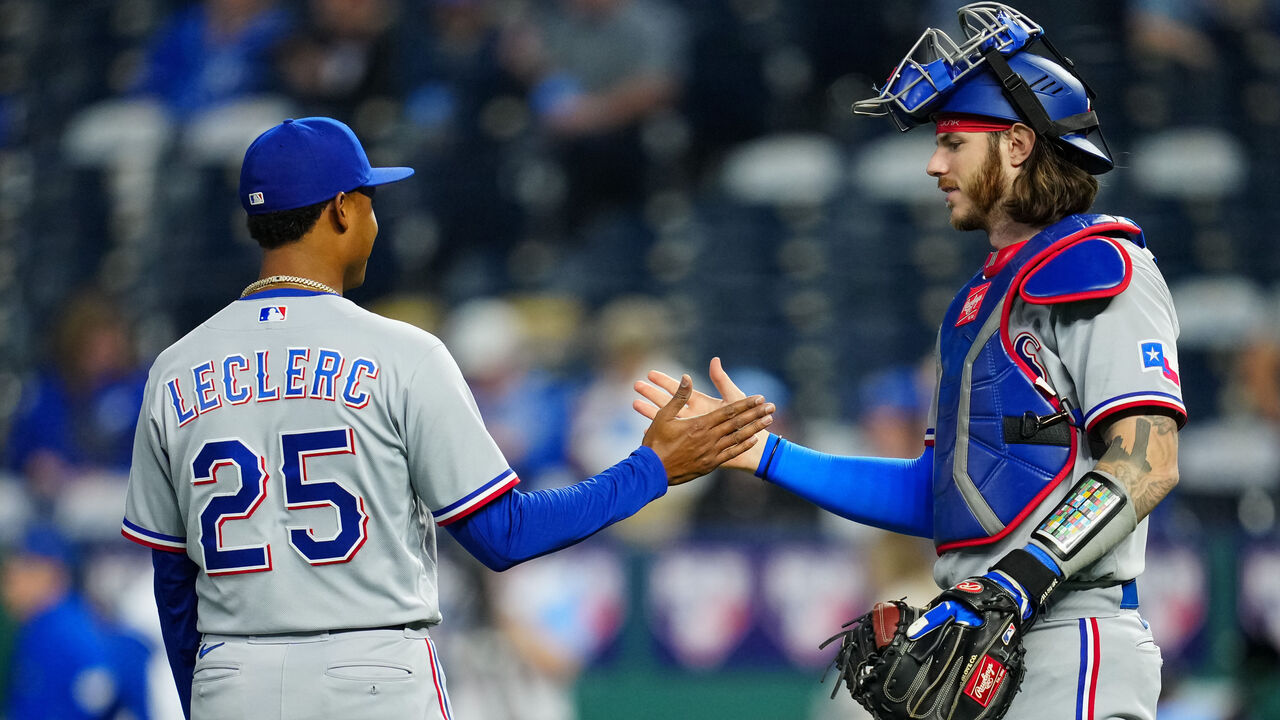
(1026,102)
(1020,94)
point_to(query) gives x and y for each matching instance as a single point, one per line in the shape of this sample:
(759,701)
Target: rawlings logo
(972,304)
(985,681)
(970,586)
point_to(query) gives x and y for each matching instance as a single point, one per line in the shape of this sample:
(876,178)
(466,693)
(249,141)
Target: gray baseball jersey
(1104,361)
(298,449)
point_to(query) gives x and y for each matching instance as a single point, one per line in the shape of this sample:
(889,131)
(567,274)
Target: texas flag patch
(272,313)
(1153,358)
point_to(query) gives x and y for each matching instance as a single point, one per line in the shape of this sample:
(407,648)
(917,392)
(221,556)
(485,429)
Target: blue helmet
(991,74)
(1062,97)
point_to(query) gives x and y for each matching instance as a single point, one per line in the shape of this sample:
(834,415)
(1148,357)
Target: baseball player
(1054,424)
(295,453)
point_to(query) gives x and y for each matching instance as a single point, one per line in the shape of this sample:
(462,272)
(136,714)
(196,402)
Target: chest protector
(1004,437)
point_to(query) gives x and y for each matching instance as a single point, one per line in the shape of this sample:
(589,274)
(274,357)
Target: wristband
(1093,518)
(766,459)
(1037,579)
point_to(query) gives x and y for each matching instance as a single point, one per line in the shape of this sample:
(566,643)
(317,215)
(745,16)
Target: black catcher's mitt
(906,663)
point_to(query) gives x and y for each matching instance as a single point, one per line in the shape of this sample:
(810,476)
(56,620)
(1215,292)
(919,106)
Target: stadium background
(596,198)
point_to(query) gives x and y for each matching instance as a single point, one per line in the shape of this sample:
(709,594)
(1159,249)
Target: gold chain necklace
(254,287)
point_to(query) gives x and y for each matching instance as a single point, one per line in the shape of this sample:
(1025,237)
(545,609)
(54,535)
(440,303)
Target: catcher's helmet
(992,74)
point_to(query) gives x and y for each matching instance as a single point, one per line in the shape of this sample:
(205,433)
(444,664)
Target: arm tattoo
(1143,454)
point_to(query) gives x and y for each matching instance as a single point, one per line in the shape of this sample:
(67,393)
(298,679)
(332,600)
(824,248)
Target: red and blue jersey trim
(477,499)
(1128,401)
(153,539)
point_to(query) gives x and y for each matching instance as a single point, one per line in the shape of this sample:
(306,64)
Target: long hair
(1049,187)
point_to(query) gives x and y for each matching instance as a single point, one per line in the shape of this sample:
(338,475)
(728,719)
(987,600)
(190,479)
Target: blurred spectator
(892,415)
(212,52)
(204,88)
(1253,389)
(66,664)
(1191,32)
(524,407)
(892,405)
(629,337)
(463,107)
(1203,62)
(77,413)
(557,615)
(736,501)
(599,69)
(452,74)
(341,56)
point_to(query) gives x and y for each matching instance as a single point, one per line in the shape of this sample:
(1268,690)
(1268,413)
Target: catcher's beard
(986,191)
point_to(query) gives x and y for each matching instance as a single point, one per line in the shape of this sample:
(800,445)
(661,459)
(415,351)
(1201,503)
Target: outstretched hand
(661,390)
(689,444)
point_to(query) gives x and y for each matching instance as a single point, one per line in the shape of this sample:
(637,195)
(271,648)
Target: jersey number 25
(299,493)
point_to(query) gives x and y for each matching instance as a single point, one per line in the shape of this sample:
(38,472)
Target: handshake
(694,433)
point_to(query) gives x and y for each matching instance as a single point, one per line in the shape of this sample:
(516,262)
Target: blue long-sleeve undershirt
(175,589)
(519,526)
(887,493)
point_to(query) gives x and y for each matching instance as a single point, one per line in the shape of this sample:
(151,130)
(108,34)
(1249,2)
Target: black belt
(1128,590)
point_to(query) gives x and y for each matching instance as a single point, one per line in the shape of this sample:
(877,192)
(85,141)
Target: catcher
(1054,426)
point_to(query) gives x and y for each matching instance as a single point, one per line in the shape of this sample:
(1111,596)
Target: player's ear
(1021,141)
(341,219)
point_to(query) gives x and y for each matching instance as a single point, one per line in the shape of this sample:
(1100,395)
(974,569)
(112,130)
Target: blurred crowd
(606,187)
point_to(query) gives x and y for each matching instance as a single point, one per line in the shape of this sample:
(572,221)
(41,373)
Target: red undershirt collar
(998,259)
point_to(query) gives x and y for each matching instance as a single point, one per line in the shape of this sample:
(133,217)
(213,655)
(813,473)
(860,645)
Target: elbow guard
(1094,517)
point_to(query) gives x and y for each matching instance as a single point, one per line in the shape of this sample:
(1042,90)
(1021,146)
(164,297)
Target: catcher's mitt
(903,664)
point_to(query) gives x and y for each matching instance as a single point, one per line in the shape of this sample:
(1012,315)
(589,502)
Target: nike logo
(206,649)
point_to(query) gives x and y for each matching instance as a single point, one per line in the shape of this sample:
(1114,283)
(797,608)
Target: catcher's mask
(992,74)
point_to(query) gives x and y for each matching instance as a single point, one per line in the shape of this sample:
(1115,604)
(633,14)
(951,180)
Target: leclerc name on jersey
(303,373)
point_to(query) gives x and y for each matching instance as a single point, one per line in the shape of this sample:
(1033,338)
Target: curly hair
(273,230)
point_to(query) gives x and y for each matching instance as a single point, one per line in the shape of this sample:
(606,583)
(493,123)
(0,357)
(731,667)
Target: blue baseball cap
(46,541)
(306,161)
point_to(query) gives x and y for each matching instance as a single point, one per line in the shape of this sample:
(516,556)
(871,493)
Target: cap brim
(384,175)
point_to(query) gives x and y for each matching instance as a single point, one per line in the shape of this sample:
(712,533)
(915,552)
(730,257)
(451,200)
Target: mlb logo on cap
(272,313)
(255,198)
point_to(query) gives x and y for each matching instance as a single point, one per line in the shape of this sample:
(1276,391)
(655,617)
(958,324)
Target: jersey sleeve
(151,514)
(1124,356)
(455,465)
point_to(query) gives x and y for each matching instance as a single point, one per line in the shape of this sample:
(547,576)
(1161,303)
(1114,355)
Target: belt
(1128,590)
(317,635)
